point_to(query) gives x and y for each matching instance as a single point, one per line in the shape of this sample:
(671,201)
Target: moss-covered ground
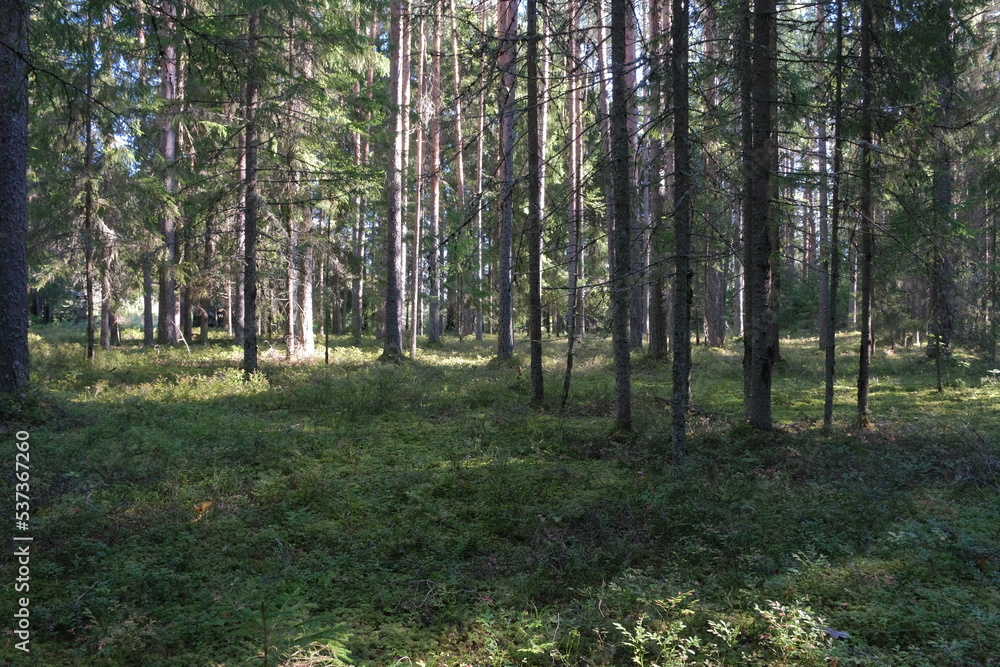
(425,514)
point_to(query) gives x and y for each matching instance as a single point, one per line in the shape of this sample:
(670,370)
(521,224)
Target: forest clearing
(423,513)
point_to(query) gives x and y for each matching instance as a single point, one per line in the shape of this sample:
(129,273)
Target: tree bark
(824,198)
(865,205)
(659,28)
(88,193)
(604,77)
(358,245)
(993,311)
(291,280)
(304,311)
(169,313)
(147,302)
(834,248)
(251,204)
(573,180)
(418,196)
(239,287)
(435,254)
(358,283)
(534,208)
(745,75)
(480,127)
(461,266)
(681,371)
(637,230)
(944,270)
(14,362)
(186,295)
(208,258)
(392,342)
(739,329)
(852,278)
(759,350)
(507,34)
(716,256)
(621,174)
(107,316)
(573,318)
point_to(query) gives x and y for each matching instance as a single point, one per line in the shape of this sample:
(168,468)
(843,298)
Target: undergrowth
(423,513)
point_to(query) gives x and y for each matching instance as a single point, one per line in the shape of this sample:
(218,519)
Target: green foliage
(663,641)
(287,633)
(421,513)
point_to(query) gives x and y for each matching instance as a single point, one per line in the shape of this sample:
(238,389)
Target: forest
(486,332)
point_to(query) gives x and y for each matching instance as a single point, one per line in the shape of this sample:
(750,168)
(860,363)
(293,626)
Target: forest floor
(425,514)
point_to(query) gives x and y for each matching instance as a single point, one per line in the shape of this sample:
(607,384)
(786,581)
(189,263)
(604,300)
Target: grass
(422,513)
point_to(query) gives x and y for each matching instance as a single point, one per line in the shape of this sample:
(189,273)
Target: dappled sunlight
(429,511)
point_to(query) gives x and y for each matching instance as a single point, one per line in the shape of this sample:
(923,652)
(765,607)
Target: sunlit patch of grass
(429,508)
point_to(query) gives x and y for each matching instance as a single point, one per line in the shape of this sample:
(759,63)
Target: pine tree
(507,33)
(14,362)
(621,178)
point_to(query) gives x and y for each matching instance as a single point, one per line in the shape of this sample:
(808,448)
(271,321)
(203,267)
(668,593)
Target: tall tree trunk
(577,192)
(574,319)
(738,289)
(461,266)
(392,345)
(943,268)
(304,311)
(621,174)
(251,203)
(574,145)
(715,258)
(239,290)
(865,205)
(682,235)
(993,311)
(147,301)
(604,109)
(637,230)
(660,27)
(169,312)
(775,219)
(291,279)
(824,198)
(852,278)
(208,259)
(834,247)
(13,195)
(480,127)
(293,112)
(544,95)
(187,295)
(358,247)
(88,192)
(745,76)
(534,209)
(405,101)
(416,314)
(759,358)
(507,34)
(107,316)
(358,283)
(435,254)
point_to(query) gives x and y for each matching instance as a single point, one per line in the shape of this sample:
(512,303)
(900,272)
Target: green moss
(424,512)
